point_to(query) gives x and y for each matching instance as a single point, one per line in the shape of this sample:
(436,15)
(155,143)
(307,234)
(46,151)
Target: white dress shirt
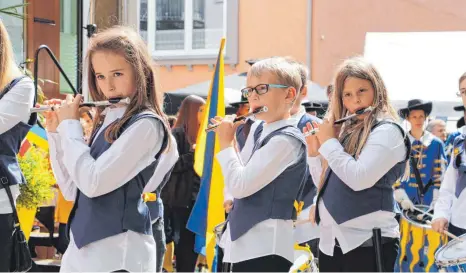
(384,148)
(272,236)
(15,108)
(75,168)
(448,206)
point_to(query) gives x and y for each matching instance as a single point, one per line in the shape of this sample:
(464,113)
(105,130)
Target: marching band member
(110,223)
(361,164)
(16,100)
(449,210)
(305,233)
(453,135)
(427,160)
(259,233)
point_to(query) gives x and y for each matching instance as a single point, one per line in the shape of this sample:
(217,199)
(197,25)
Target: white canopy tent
(422,65)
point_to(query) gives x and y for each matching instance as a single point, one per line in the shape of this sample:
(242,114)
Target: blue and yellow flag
(36,136)
(208,210)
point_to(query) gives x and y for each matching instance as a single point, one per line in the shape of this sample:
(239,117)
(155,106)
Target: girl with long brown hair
(181,191)
(110,222)
(16,100)
(361,161)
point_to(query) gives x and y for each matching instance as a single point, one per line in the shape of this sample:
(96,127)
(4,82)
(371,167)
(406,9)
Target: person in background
(180,192)
(242,106)
(437,127)
(427,158)
(453,135)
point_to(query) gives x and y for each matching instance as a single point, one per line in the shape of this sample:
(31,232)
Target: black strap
(320,194)
(33,116)
(420,185)
(6,186)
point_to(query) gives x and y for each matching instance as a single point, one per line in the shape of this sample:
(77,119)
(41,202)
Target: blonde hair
(286,72)
(128,44)
(8,68)
(353,136)
(462,78)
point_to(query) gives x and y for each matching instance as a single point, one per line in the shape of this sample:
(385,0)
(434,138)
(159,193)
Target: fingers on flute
(77,100)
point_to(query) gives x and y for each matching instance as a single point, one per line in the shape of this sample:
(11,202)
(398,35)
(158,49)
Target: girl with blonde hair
(361,161)
(111,224)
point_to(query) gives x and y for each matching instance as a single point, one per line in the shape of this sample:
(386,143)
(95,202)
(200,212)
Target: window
(188,29)
(15,28)
(68,43)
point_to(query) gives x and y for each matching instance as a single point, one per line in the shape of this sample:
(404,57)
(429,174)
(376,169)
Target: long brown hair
(353,136)
(8,68)
(128,44)
(187,117)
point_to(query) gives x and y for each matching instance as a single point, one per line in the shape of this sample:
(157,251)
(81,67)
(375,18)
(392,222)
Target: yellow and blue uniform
(449,144)
(429,154)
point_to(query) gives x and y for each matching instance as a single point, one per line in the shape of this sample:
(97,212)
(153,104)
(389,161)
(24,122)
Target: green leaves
(39,178)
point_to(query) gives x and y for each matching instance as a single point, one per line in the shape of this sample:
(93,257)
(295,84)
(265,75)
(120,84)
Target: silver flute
(262,109)
(104,103)
(340,121)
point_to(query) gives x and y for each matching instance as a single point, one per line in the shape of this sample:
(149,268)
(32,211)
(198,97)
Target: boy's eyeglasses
(260,89)
(461,92)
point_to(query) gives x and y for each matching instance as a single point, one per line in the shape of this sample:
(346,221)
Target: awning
(420,65)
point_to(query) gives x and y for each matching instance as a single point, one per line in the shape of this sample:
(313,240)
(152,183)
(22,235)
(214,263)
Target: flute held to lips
(112,101)
(256,111)
(340,121)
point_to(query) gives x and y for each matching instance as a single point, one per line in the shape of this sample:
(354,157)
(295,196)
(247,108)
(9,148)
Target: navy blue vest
(276,200)
(123,209)
(242,134)
(459,163)
(156,207)
(10,143)
(344,204)
(310,190)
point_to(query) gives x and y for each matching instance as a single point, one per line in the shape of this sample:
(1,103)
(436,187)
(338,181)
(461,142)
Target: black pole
(57,64)
(79,32)
(377,242)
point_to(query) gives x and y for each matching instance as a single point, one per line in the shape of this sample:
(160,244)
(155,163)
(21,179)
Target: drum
(452,256)
(418,243)
(218,231)
(303,260)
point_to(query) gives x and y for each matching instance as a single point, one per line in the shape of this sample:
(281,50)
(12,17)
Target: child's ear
(303,92)
(291,95)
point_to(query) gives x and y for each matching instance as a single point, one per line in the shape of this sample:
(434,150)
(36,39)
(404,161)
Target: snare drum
(418,243)
(218,231)
(304,261)
(452,256)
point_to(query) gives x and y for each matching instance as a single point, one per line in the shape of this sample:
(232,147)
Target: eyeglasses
(260,89)
(461,92)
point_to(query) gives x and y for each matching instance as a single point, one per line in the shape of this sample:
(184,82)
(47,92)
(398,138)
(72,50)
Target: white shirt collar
(426,138)
(270,127)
